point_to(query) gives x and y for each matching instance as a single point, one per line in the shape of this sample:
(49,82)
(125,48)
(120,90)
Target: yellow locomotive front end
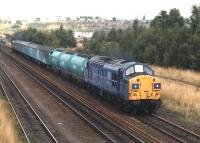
(144,87)
(144,90)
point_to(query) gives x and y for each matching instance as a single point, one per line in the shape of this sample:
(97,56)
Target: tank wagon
(69,64)
(54,59)
(131,84)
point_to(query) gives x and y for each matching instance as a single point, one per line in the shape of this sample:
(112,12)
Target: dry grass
(178,96)
(178,74)
(181,98)
(8,125)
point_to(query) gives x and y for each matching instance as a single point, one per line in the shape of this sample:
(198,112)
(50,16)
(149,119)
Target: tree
(27,35)
(18,22)
(112,35)
(110,48)
(37,19)
(114,19)
(61,27)
(149,54)
(137,29)
(100,36)
(195,19)
(57,38)
(41,37)
(65,37)
(175,20)
(160,21)
(171,20)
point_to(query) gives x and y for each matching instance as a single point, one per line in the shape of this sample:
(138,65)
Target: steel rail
(177,126)
(32,109)
(13,109)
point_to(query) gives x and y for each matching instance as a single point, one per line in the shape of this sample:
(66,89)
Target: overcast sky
(123,9)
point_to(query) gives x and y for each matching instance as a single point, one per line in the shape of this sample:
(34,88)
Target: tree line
(170,40)
(55,38)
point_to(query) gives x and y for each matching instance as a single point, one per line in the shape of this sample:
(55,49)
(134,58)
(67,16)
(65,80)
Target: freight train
(132,85)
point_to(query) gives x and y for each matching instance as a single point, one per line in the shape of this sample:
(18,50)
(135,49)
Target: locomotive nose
(144,87)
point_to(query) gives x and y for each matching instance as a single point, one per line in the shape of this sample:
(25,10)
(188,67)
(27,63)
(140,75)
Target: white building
(81,35)
(2,37)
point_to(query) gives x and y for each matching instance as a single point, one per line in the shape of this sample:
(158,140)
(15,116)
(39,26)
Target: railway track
(32,126)
(113,127)
(189,133)
(176,132)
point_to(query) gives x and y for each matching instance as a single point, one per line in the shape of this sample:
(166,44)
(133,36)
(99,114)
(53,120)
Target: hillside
(8,27)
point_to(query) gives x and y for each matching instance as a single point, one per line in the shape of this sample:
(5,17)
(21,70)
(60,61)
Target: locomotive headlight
(157,85)
(135,86)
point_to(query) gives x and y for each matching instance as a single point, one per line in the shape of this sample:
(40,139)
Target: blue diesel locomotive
(133,84)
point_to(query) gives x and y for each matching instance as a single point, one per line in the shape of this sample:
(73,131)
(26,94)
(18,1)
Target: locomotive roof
(111,63)
(102,60)
(33,45)
(107,60)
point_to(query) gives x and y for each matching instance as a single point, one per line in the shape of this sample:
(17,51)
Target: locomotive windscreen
(139,69)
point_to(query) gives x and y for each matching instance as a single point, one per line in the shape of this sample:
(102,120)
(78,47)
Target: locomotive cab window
(139,69)
(129,71)
(148,71)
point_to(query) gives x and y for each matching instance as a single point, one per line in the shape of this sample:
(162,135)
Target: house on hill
(81,35)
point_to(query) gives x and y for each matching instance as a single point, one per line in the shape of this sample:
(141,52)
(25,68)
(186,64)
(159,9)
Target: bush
(57,38)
